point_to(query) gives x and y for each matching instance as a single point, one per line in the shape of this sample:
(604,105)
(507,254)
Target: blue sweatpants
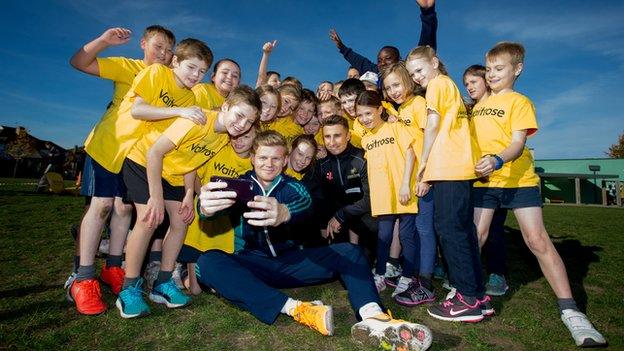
(410,247)
(454,216)
(250,280)
(426,233)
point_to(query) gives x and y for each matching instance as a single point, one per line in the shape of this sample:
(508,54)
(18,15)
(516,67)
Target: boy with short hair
(348,93)
(101,176)
(503,121)
(329,108)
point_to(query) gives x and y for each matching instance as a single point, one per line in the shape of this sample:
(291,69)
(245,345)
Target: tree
(617,150)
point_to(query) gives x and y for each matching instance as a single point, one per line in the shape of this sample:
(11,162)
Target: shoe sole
(329,321)
(162,300)
(589,343)
(128,316)
(464,319)
(496,292)
(400,337)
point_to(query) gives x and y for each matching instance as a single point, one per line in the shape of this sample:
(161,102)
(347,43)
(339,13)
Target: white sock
(370,310)
(289,306)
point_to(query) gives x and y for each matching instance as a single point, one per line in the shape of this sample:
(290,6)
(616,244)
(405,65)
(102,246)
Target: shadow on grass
(524,268)
(27,290)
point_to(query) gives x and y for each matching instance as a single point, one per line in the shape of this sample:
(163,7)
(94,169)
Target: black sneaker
(415,294)
(456,309)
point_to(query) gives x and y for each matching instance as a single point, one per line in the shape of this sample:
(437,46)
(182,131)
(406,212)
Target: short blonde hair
(334,101)
(428,53)
(514,50)
(292,90)
(243,94)
(269,138)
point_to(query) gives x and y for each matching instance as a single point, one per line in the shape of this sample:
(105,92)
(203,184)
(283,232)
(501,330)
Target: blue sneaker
(496,285)
(131,303)
(169,294)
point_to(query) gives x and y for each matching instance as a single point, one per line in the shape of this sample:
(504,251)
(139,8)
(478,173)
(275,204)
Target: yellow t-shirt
(291,172)
(413,113)
(195,145)
(207,96)
(216,233)
(357,131)
(159,88)
(495,119)
(104,136)
(287,127)
(264,126)
(455,151)
(385,148)
(318,137)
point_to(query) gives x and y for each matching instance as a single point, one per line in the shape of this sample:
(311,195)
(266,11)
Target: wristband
(499,162)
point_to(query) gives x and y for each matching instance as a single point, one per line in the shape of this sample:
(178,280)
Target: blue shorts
(507,197)
(97,181)
(189,254)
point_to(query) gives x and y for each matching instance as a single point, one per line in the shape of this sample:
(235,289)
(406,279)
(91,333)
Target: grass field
(36,252)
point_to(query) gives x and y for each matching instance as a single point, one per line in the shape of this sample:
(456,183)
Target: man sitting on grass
(267,257)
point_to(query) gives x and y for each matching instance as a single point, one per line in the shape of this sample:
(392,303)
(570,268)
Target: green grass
(36,252)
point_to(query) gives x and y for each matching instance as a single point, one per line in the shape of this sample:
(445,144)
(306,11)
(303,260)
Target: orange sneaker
(87,296)
(113,277)
(316,316)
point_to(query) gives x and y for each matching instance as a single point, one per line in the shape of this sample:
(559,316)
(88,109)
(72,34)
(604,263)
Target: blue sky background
(574,70)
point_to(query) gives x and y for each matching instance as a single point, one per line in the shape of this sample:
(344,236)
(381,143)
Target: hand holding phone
(242,187)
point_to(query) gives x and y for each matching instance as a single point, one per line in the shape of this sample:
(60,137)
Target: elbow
(135,111)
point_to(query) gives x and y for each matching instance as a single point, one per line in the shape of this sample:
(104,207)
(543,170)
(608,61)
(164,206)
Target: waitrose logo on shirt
(379,142)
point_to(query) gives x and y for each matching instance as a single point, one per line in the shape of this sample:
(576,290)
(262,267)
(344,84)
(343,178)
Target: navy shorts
(189,254)
(97,181)
(507,197)
(135,177)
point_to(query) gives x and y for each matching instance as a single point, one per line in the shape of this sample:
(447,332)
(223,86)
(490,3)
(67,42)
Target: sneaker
(131,303)
(380,282)
(70,280)
(384,332)
(113,277)
(447,285)
(87,296)
(402,285)
(415,294)
(456,309)
(169,294)
(316,316)
(486,306)
(150,274)
(178,274)
(583,332)
(496,285)
(393,273)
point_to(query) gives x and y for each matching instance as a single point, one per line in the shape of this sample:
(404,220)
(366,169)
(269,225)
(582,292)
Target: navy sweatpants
(250,279)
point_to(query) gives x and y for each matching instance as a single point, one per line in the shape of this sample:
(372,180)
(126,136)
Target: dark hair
(392,49)
(351,86)
(308,95)
(304,138)
(216,66)
(372,99)
(158,29)
(334,120)
(270,73)
(475,70)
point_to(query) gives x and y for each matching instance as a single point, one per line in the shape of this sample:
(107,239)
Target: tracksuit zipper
(266,230)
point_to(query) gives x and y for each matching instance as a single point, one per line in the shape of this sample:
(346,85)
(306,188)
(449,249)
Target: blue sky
(574,70)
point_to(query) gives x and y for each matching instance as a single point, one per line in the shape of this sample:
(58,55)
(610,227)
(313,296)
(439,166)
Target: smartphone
(242,187)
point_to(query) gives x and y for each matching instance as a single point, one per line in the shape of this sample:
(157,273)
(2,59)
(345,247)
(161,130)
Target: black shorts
(507,197)
(135,178)
(189,254)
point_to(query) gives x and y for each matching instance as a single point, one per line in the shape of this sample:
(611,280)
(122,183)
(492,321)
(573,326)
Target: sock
(130,282)
(370,310)
(567,304)
(425,281)
(76,263)
(163,276)
(154,256)
(113,261)
(394,261)
(289,306)
(85,272)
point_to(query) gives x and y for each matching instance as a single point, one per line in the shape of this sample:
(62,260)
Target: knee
(538,243)
(102,209)
(122,209)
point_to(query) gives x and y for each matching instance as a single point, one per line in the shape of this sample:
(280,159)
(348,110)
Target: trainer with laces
(267,257)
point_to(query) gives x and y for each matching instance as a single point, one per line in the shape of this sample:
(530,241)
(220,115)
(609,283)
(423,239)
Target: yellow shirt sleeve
(436,95)
(178,130)
(523,117)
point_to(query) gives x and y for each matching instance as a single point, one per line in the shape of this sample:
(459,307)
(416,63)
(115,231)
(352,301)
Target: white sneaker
(402,285)
(392,270)
(380,282)
(150,274)
(384,332)
(178,275)
(583,332)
